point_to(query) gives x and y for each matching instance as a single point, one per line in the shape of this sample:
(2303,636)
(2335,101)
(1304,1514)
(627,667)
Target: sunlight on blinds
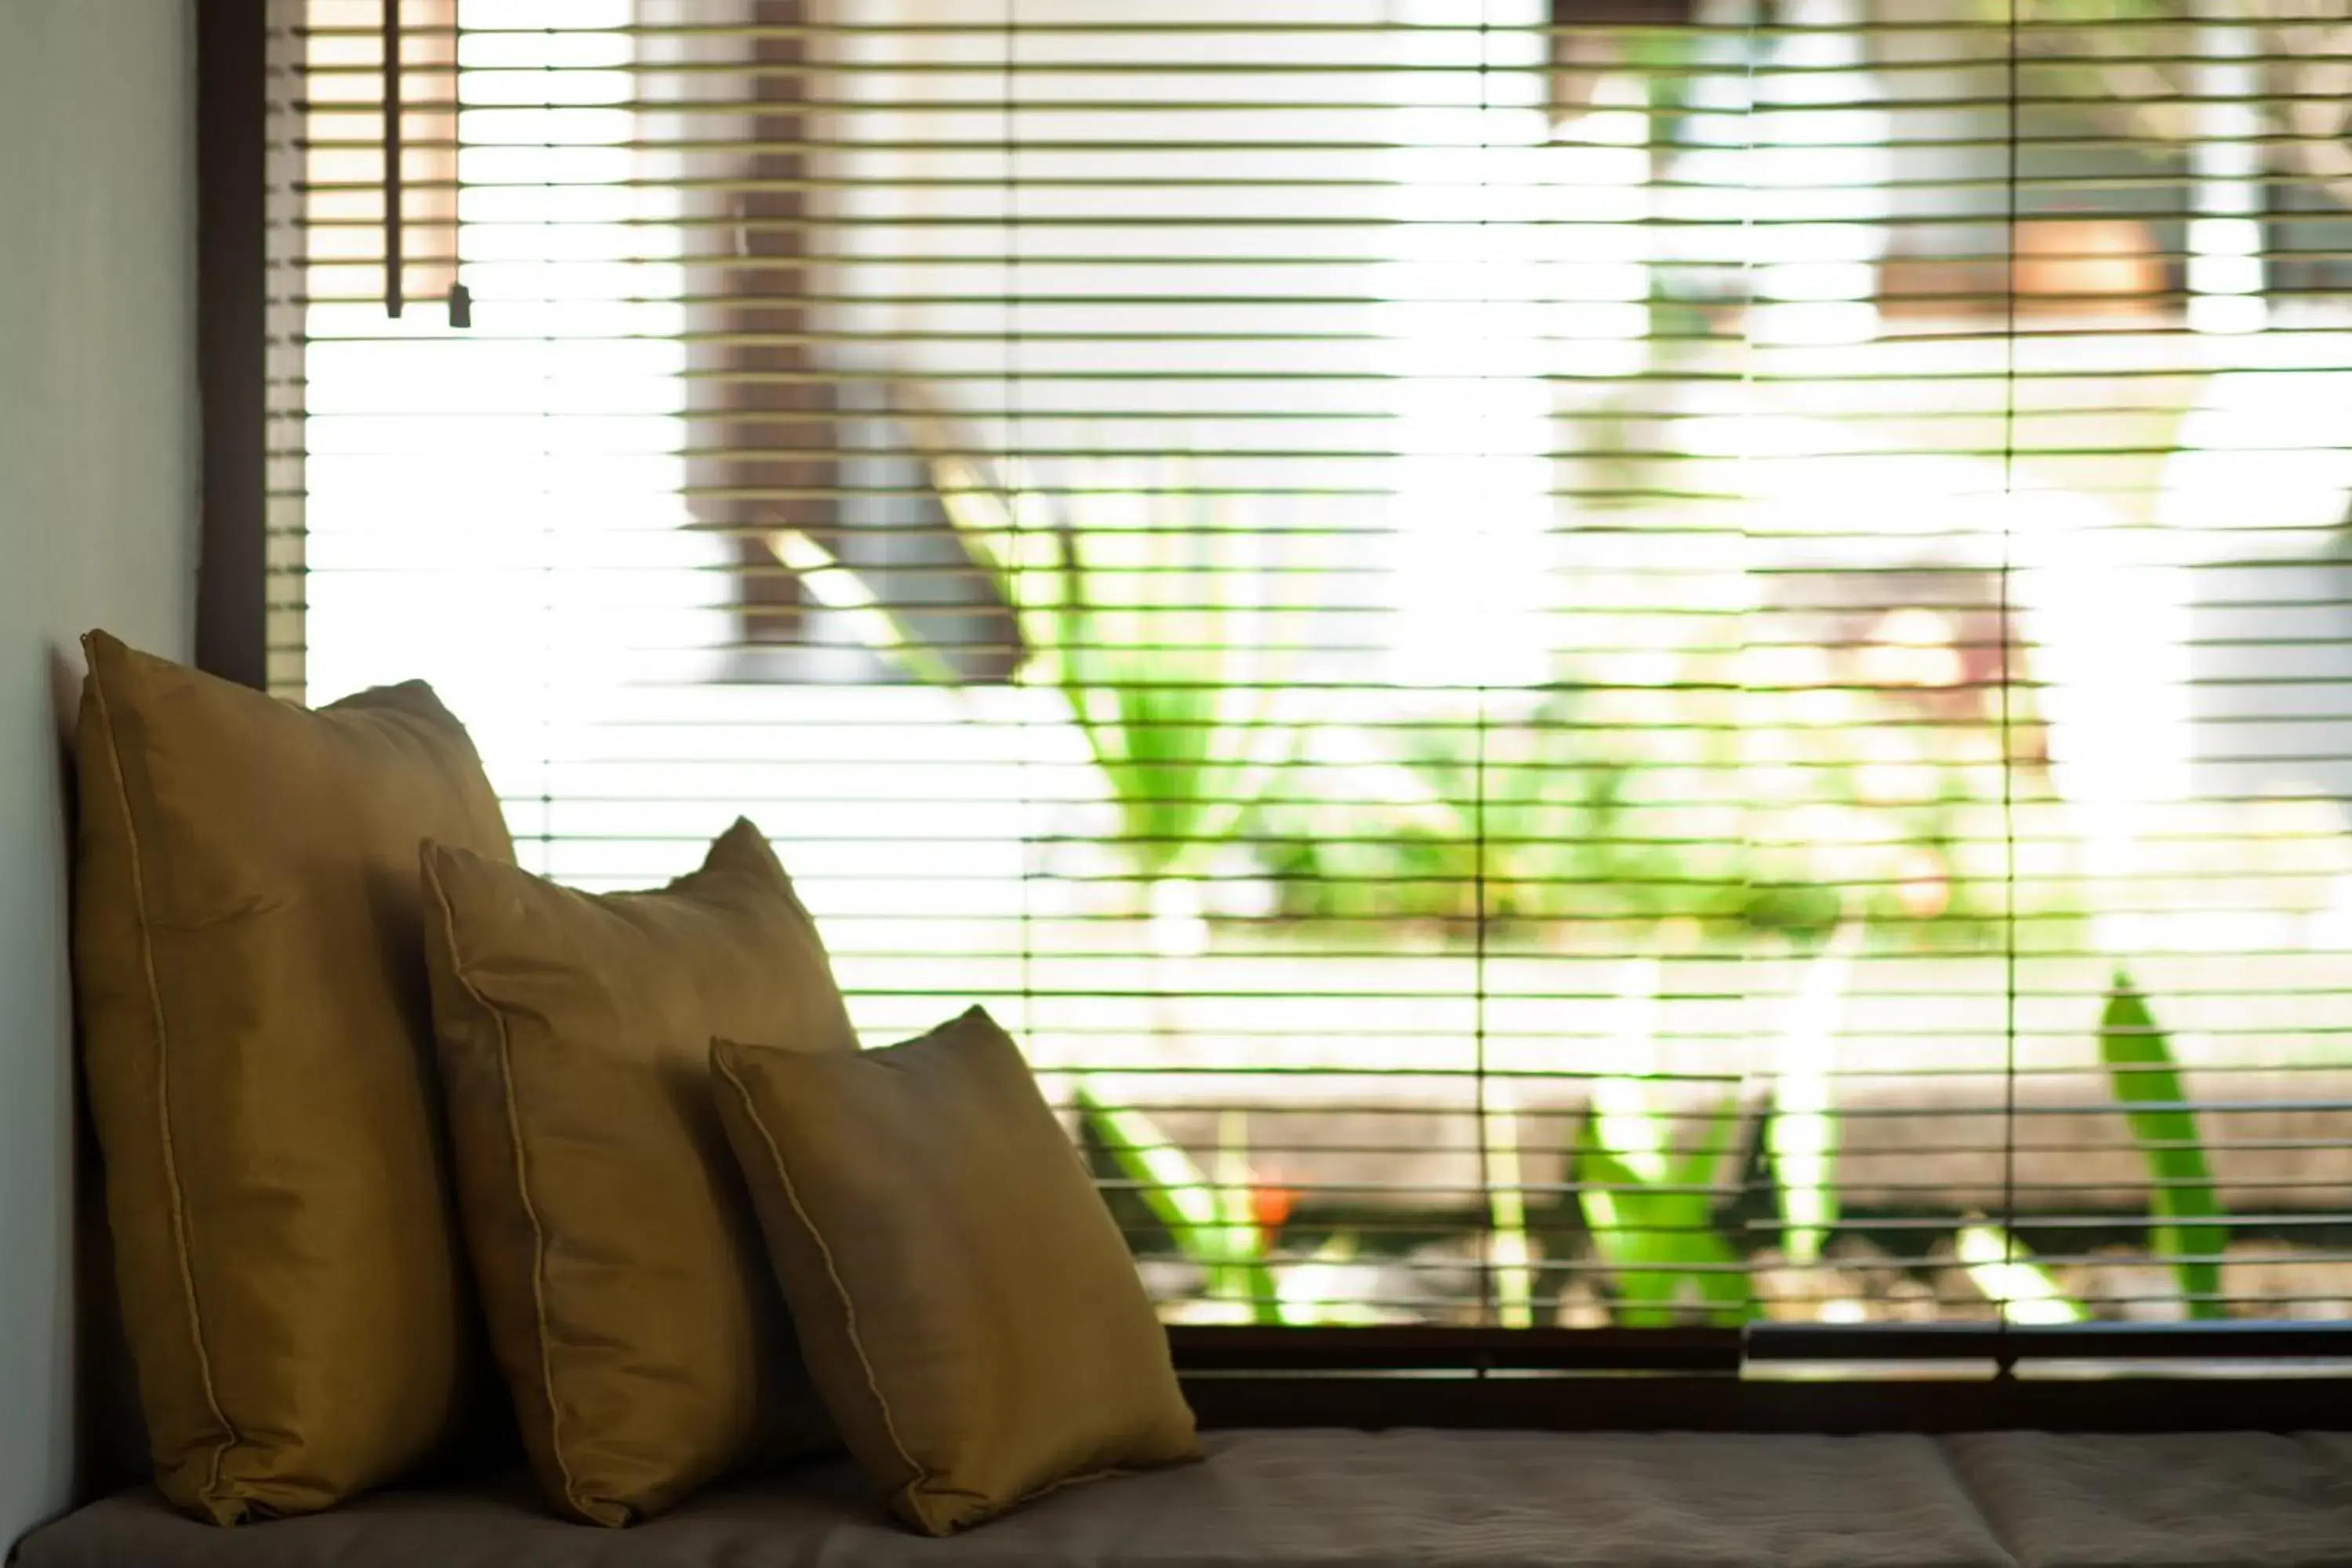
(1558,672)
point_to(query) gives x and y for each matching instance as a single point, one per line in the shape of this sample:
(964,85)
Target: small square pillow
(965,1303)
(258,1040)
(638,1325)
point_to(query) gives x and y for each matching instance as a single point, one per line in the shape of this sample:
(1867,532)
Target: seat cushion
(966,1305)
(1402,1500)
(1264,1499)
(631,1305)
(2162,1500)
(258,1038)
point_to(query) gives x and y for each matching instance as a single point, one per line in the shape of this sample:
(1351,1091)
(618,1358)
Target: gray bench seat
(1407,1499)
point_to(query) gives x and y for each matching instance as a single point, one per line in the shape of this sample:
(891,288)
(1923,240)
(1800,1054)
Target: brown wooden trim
(1633,1404)
(231,339)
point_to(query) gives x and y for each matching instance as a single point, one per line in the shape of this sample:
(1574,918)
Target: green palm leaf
(2183,1202)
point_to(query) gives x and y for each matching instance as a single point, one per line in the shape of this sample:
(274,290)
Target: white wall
(97,504)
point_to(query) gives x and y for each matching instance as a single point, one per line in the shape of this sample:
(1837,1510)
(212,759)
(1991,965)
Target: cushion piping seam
(921,1476)
(229,1438)
(523,1191)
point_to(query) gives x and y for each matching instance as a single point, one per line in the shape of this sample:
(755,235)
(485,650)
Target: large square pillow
(964,1299)
(639,1328)
(257,1037)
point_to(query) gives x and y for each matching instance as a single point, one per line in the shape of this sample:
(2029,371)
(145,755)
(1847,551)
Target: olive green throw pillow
(965,1303)
(630,1305)
(258,1041)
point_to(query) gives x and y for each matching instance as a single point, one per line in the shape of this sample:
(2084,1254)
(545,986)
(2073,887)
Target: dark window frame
(1558,1379)
(232,339)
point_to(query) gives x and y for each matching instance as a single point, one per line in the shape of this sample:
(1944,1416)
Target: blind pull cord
(395,263)
(461,299)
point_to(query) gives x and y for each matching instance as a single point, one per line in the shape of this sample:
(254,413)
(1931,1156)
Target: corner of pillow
(938,1512)
(434,859)
(98,644)
(743,840)
(453,878)
(604,1513)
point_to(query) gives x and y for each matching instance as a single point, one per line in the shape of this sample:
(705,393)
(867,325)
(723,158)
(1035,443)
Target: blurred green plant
(1775,789)
(840,588)
(1801,1131)
(1510,1249)
(1553,816)
(1223,1224)
(1163,621)
(1648,1205)
(1651,1211)
(1209,1221)
(2184,1205)
(2005,1270)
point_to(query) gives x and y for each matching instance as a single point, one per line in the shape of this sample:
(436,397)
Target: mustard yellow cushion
(965,1303)
(640,1330)
(257,1034)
